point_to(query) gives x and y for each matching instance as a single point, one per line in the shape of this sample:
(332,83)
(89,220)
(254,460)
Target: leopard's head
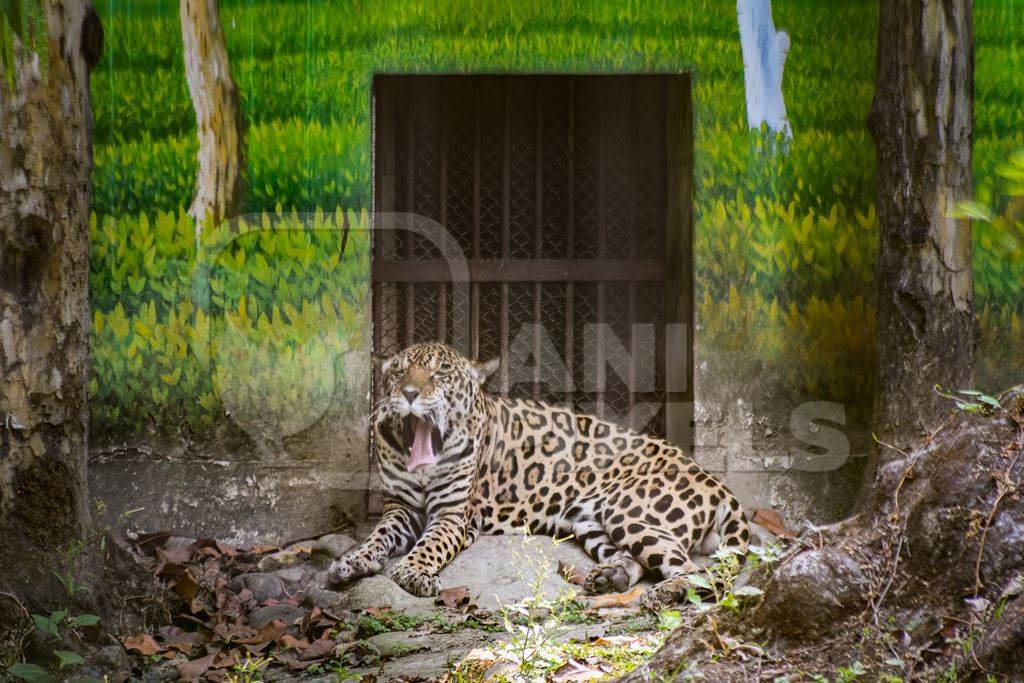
(429,387)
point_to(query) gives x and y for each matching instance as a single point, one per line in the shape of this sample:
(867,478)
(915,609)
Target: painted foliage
(267,331)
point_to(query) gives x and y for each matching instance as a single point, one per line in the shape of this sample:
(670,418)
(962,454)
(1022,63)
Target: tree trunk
(45,187)
(764,55)
(921,120)
(218,115)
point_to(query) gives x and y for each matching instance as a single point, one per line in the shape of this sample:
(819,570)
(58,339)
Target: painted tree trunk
(218,115)
(764,55)
(921,120)
(45,188)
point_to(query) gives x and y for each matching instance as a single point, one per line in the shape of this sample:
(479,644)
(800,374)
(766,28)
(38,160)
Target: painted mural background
(261,340)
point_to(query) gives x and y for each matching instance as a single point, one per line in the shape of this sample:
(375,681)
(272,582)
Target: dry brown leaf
(310,619)
(226,660)
(142,643)
(772,521)
(617,599)
(617,641)
(574,670)
(288,641)
(480,654)
(156,539)
(187,588)
(229,633)
(170,561)
(453,598)
(570,573)
(263,549)
(190,671)
(226,550)
(318,649)
(269,632)
(177,639)
(300,664)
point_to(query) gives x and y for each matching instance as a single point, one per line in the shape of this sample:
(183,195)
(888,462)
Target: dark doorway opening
(566,200)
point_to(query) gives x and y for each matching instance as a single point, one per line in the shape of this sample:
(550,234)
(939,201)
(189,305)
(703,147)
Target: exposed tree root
(925,581)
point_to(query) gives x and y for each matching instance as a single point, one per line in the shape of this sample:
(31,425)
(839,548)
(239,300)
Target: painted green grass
(785,245)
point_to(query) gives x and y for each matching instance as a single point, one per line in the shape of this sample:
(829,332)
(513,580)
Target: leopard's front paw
(414,581)
(350,568)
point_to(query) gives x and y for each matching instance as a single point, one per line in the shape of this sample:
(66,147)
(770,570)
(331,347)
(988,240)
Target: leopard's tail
(730,529)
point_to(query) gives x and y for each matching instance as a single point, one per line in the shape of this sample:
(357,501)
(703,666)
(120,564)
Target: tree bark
(219,184)
(921,120)
(45,188)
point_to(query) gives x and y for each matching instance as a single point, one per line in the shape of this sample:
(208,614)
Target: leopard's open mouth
(423,441)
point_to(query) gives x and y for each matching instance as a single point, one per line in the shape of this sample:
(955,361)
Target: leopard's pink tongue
(422,452)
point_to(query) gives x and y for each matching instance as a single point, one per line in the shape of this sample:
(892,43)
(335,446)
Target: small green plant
(342,673)
(531,646)
(848,674)
(249,670)
(719,583)
(970,400)
(669,619)
(758,555)
(59,624)
(369,625)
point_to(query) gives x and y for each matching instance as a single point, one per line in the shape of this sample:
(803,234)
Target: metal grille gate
(545,220)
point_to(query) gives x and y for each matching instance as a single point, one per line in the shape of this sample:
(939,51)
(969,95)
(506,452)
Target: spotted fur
(636,502)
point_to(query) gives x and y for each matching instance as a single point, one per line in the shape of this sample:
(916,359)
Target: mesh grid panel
(544,184)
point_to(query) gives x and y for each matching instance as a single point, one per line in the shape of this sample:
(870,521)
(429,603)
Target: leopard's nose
(410,394)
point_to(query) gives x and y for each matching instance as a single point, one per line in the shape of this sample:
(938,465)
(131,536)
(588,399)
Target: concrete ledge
(240,502)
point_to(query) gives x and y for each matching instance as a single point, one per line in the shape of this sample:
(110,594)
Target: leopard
(457,461)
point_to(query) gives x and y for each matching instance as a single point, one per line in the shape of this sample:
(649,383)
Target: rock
(426,666)
(177,542)
(333,545)
(582,633)
(502,669)
(263,586)
(292,574)
(400,643)
(325,599)
(812,591)
(760,536)
(86,674)
(490,568)
(1004,547)
(164,672)
(430,655)
(302,577)
(262,616)
(280,560)
(1002,646)
(379,591)
(275,675)
(112,658)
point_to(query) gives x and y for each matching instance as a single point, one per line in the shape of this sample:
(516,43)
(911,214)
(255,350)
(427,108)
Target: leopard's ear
(380,362)
(481,371)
